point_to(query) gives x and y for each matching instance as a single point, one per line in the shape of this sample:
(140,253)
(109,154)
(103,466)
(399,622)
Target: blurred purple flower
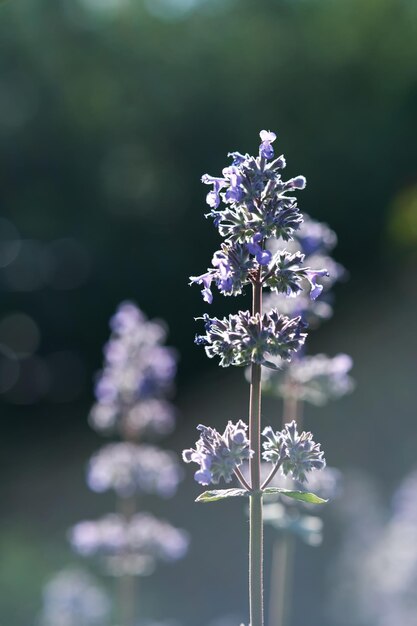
(142,535)
(137,369)
(130,468)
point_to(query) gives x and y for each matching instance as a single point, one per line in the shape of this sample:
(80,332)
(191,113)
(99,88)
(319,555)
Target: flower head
(138,371)
(316,379)
(130,468)
(143,539)
(297,454)
(73,598)
(265,149)
(312,242)
(219,455)
(243,338)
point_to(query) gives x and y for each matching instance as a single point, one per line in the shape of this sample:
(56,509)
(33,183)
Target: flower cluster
(130,468)
(257,211)
(219,455)
(243,338)
(312,244)
(255,198)
(138,372)
(73,598)
(287,275)
(295,454)
(315,379)
(143,539)
(230,271)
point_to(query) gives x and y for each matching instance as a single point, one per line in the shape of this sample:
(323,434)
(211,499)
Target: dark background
(110,112)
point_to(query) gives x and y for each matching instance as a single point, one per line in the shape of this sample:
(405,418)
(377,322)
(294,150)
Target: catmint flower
(152,416)
(297,454)
(213,197)
(263,257)
(73,598)
(314,241)
(316,379)
(234,178)
(219,455)
(230,271)
(138,371)
(265,149)
(315,237)
(142,534)
(129,468)
(312,276)
(242,339)
(286,275)
(255,197)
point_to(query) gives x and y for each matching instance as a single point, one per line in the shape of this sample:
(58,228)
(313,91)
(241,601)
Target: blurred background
(110,112)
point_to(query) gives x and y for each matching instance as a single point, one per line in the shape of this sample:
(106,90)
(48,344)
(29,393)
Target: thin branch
(242,480)
(271,475)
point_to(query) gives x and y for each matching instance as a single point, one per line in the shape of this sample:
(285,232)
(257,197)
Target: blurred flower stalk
(131,404)
(257,215)
(316,380)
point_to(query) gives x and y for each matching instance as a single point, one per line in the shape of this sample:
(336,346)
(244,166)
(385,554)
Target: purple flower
(213,197)
(224,278)
(230,271)
(243,338)
(265,149)
(234,192)
(312,276)
(143,535)
(297,454)
(129,468)
(73,598)
(316,379)
(299,182)
(137,368)
(263,257)
(219,455)
(205,280)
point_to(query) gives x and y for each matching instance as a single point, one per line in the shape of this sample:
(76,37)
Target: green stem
(281,580)
(255,506)
(127,600)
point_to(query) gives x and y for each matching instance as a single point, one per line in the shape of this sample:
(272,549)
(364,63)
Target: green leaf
(221,494)
(304,496)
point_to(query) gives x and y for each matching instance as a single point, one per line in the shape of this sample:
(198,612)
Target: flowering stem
(255,507)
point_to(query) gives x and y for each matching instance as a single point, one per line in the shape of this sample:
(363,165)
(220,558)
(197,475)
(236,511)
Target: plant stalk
(283,551)
(255,505)
(281,580)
